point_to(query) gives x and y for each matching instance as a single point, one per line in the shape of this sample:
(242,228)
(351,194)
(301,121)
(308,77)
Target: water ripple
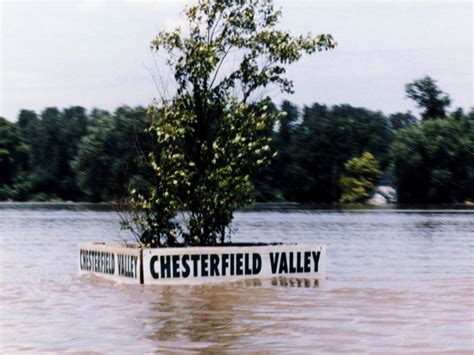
(397,281)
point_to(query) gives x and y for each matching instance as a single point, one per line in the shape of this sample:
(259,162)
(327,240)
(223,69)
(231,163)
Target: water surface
(397,280)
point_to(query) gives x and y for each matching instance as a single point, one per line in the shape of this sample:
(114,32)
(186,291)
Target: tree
(25,119)
(287,123)
(53,143)
(29,125)
(282,164)
(357,180)
(327,138)
(211,134)
(265,179)
(401,120)
(428,97)
(108,154)
(434,162)
(13,157)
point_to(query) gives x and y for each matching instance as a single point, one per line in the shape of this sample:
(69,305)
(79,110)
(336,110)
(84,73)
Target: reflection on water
(398,280)
(223,317)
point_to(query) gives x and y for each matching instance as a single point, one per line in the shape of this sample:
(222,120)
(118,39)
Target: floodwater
(397,280)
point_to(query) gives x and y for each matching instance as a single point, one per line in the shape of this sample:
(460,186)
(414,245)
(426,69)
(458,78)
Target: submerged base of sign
(197,265)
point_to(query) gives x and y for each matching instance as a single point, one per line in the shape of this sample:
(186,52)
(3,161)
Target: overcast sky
(95,53)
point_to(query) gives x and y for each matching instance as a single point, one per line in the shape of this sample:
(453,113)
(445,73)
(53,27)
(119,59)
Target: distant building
(382,195)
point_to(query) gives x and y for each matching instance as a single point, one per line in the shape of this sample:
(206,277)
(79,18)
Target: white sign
(112,262)
(190,265)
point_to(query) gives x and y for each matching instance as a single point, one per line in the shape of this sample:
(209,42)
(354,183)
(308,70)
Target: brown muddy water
(397,280)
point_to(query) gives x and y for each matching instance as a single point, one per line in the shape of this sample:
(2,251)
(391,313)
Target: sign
(197,265)
(112,262)
(229,263)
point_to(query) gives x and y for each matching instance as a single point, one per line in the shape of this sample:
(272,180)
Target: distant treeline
(72,154)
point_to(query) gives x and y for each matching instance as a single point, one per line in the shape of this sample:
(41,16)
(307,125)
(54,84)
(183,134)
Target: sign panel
(112,262)
(193,265)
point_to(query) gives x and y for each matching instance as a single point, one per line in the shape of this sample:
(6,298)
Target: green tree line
(324,153)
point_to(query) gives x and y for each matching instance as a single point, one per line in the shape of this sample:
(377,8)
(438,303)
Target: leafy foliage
(75,155)
(107,156)
(401,120)
(428,97)
(357,180)
(13,157)
(53,143)
(69,155)
(324,140)
(210,135)
(434,162)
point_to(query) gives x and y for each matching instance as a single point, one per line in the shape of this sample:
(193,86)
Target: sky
(95,53)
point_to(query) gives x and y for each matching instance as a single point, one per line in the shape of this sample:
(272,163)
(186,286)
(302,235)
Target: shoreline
(256,207)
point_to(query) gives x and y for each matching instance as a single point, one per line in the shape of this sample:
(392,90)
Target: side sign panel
(112,262)
(214,264)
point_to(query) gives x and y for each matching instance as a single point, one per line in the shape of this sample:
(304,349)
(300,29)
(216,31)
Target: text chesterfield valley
(232,264)
(200,264)
(104,262)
